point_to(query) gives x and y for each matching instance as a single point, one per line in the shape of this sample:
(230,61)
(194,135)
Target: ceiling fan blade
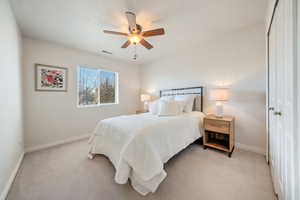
(154,32)
(126,44)
(146,44)
(131,20)
(115,33)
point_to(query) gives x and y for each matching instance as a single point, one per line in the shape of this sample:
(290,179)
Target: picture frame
(50,78)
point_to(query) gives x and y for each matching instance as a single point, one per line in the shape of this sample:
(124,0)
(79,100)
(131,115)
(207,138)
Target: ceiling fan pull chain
(135,54)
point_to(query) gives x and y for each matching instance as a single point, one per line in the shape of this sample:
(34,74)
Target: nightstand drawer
(217,126)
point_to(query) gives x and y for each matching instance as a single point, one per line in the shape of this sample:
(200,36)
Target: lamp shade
(145,97)
(219,94)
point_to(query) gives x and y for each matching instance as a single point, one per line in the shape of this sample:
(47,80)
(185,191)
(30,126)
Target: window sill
(95,106)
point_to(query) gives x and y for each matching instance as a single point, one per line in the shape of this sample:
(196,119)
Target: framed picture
(50,78)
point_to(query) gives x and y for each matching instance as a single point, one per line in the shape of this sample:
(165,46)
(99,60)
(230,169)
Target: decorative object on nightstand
(145,98)
(219,95)
(219,133)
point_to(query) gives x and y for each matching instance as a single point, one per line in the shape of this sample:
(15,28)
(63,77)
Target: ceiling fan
(136,35)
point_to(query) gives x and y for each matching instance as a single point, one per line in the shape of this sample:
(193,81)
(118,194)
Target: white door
(281,100)
(273,102)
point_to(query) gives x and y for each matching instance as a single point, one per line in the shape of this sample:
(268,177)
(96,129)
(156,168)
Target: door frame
(297,128)
(269,26)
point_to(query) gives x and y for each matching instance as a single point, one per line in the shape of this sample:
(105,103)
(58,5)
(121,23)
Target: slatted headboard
(198,91)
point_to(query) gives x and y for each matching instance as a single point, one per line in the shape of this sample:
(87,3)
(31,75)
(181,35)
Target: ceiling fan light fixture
(134,39)
(136,34)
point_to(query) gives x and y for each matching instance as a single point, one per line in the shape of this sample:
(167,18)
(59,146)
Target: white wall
(235,60)
(53,116)
(11,135)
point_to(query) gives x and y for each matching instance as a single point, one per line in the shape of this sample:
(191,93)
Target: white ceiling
(79,23)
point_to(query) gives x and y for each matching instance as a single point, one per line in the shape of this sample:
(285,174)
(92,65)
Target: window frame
(99,104)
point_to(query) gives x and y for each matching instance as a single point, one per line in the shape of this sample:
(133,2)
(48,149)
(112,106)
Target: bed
(139,145)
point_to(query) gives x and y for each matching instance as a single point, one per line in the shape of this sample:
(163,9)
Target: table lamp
(219,95)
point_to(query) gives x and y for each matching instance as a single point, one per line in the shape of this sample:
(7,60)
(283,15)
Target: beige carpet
(64,172)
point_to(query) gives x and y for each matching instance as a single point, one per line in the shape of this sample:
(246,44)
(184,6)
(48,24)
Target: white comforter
(139,145)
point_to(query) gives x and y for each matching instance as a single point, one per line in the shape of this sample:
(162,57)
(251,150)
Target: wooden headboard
(198,91)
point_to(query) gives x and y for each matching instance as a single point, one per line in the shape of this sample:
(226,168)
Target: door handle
(277,113)
(271,108)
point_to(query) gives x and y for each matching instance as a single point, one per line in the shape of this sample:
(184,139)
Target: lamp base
(146,106)
(219,109)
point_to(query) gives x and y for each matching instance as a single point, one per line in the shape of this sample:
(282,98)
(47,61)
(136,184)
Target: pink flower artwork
(52,78)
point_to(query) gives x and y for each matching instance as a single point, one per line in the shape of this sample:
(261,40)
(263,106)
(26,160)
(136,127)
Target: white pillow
(188,102)
(167,98)
(170,108)
(153,107)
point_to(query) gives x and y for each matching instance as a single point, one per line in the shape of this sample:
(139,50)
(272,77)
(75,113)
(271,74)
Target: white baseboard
(46,146)
(11,178)
(251,148)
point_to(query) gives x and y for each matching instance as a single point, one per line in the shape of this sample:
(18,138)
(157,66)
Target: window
(96,87)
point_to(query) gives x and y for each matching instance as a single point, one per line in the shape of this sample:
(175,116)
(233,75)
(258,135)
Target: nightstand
(219,133)
(140,111)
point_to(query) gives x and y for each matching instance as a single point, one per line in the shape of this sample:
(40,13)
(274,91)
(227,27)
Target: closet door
(273,103)
(281,100)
